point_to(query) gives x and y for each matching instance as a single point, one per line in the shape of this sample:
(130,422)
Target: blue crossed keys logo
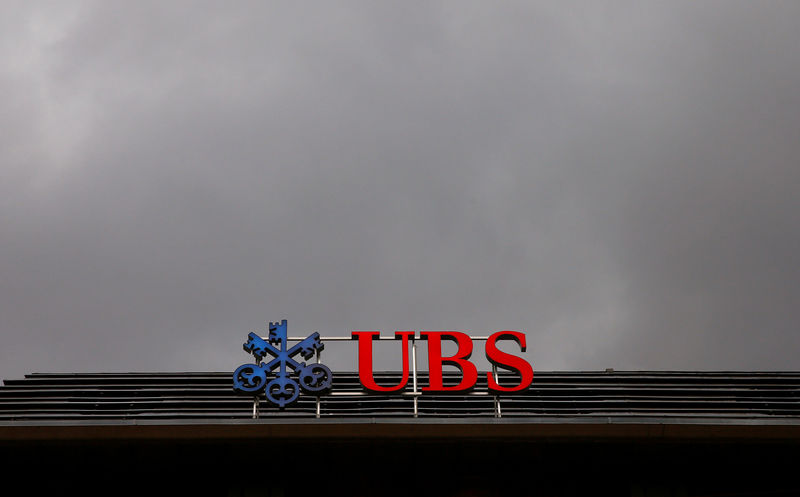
(282,389)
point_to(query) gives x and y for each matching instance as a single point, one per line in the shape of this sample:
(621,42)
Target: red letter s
(508,361)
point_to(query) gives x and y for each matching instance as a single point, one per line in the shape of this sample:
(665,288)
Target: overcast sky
(619,180)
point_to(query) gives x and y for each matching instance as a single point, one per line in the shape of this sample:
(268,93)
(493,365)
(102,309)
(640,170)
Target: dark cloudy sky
(617,179)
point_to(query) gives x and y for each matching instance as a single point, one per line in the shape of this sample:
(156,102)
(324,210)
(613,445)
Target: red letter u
(365,373)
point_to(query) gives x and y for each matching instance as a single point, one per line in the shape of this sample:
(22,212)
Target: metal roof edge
(405,428)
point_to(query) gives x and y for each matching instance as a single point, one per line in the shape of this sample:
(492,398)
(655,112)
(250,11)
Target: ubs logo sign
(284,387)
(282,377)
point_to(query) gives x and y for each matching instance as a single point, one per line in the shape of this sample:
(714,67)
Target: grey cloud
(616,180)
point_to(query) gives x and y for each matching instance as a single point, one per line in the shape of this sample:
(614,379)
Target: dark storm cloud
(618,180)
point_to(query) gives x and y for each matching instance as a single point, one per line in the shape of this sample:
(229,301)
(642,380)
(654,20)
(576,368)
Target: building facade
(570,433)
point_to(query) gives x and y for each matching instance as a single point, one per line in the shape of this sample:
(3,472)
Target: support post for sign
(255,407)
(414,371)
(497,412)
(318,400)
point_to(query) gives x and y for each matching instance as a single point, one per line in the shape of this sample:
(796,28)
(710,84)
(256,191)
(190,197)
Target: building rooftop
(636,403)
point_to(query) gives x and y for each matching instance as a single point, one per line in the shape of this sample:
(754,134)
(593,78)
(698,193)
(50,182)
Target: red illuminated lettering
(508,361)
(365,372)
(460,359)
